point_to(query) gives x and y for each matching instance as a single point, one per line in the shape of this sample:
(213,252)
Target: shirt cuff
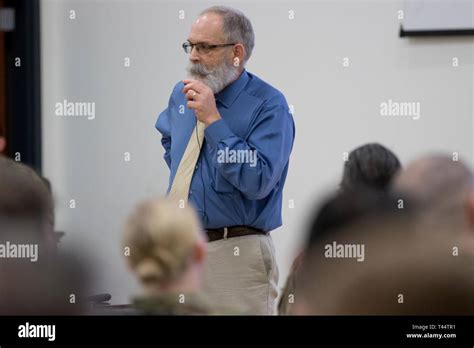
(216,132)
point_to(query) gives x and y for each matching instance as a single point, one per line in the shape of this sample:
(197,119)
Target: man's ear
(239,52)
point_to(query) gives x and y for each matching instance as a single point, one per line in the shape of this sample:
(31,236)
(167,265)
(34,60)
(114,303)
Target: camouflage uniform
(174,304)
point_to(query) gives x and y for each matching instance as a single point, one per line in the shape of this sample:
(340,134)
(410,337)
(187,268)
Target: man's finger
(188,87)
(194,86)
(186,81)
(189,83)
(192,104)
(191,94)
(198,86)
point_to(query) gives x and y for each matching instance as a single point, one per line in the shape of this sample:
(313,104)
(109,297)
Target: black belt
(233,231)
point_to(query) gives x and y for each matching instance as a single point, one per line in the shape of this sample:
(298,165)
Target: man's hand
(201,100)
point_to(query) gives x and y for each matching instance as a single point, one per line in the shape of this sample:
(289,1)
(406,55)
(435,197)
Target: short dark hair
(372,166)
(344,208)
(402,273)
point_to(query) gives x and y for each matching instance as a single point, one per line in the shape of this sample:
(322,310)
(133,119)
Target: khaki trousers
(241,275)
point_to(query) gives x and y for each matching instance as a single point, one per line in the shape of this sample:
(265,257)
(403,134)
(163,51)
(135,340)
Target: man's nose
(193,56)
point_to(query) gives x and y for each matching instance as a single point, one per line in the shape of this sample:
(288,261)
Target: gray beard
(216,79)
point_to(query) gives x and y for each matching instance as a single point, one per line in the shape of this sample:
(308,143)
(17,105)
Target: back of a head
(160,236)
(344,209)
(371,166)
(26,206)
(347,207)
(400,273)
(440,188)
(44,287)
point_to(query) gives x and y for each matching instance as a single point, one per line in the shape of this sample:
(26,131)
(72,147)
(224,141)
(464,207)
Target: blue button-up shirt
(229,187)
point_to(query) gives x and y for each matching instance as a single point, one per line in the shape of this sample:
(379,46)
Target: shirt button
(197,166)
(191,192)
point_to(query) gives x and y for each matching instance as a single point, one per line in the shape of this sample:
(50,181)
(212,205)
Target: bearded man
(223,109)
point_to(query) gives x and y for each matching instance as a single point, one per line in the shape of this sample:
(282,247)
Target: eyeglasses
(202,47)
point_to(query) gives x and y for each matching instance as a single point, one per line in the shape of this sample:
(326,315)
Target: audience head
(347,207)
(371,166)
(442,189)
(167,246)
(26,205)
(383,268)
(54,284)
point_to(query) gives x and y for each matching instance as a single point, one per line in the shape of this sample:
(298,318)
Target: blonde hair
(161,236)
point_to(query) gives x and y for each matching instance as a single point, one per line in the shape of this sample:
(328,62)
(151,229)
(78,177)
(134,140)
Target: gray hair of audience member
(442,190)
(161,237)
(402,274)
(237,28)
(26,203)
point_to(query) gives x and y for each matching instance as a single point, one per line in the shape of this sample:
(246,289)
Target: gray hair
(439,186)
(237,27)
(433,178)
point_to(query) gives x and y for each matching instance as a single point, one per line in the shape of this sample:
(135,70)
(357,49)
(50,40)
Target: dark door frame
(23,83)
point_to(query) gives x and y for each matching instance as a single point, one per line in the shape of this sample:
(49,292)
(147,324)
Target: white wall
(336,107)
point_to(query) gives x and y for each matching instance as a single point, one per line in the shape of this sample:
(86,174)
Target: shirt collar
(228,95)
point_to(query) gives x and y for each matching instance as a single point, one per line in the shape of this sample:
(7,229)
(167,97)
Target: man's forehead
(206,28)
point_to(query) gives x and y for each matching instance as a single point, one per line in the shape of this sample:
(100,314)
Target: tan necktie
(182,180)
